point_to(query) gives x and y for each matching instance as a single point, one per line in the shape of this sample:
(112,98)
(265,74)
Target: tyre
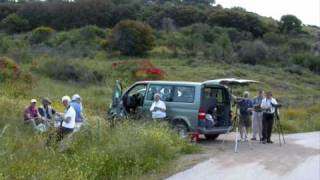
(211,136)
(181,128)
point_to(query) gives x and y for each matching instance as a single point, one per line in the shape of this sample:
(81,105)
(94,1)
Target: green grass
(131,150)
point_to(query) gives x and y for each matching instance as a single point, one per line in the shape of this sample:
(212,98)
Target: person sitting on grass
(68,122)
(46,111)
(31,114)
(158,108)
(77,105)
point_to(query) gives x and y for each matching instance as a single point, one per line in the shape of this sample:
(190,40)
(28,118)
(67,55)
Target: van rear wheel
(211,136)
(182,129)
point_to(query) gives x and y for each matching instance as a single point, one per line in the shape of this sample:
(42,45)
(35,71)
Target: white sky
(308,11)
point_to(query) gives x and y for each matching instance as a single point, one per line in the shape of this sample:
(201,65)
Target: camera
(276,105)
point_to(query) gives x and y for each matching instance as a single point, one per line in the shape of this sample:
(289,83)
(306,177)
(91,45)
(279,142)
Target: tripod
(278,125)
(236,124)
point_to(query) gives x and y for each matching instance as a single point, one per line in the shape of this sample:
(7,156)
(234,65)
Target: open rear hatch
(216,101)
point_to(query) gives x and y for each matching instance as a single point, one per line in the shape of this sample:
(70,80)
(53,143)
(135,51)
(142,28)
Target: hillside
(45,54)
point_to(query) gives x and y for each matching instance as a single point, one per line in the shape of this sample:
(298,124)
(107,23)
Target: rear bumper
(217,130)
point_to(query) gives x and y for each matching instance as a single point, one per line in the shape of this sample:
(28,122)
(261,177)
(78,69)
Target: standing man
(158,108)
(267,105)
(257,116)
(245,107)
(77,106)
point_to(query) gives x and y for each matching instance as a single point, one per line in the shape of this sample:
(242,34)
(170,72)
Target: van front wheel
(181,128)
(211,136)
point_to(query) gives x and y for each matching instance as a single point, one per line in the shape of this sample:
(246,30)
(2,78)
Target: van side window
(138,90)
(219,94)
(183,94)
(165,92)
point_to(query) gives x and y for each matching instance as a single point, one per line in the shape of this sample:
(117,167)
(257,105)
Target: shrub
(132,38)
(239,19)
(137,70)
(307,60)
(41,34)
(8,69)
(14,24)
(274,39)
(71,72)
(253,52)
(92,32)
(297,45)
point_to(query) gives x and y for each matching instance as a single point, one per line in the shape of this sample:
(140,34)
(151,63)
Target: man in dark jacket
(245,107)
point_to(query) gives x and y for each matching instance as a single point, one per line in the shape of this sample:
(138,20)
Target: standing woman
(267,105)
(158,108)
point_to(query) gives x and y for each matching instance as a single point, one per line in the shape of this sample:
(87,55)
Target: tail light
(201,114)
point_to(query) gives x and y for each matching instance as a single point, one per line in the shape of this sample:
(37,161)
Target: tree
(239,19)
(290,24)
(14,24)
(167,25)
(204,2)
(132,38)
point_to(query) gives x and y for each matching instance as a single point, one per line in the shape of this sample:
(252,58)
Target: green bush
(307,60)
(274,39)
(253,52)
(41,34)
(132,38)
(8,69)
(298,45)
(92,32)
(239,19)
(14,24)
(71,72)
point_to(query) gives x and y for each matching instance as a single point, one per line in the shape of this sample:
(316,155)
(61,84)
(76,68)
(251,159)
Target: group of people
(260,111)
(41,118)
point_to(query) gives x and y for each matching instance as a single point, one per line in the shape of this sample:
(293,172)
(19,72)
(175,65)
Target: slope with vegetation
(52,48)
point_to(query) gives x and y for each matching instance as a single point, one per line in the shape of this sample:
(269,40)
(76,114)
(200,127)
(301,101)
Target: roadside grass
(301,119)
(131,149)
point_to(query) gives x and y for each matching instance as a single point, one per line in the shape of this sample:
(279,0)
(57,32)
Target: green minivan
(187,104)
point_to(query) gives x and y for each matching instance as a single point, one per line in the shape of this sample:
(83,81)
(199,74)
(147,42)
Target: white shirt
(70,113)
(267,104)
(158,114)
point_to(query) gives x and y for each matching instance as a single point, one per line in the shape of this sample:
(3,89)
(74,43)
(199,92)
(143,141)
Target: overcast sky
(308,11)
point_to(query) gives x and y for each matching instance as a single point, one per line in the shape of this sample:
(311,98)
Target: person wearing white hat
(77,105)
(31,114)
(68,119)
(158,108)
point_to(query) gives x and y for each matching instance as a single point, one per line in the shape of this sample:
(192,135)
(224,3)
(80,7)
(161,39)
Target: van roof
(174,82)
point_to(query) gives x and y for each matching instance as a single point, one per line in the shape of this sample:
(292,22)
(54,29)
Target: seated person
(46,111)
(31,114)
(77,105)
(158,108)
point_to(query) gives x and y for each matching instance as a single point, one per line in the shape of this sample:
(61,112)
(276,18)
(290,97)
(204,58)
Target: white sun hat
(66,98)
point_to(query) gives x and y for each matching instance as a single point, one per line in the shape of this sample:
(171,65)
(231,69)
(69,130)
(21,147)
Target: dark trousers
(62,132)
(58,135)
(267,124)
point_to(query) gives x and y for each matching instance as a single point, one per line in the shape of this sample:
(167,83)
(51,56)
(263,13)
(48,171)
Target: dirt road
(298,159)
